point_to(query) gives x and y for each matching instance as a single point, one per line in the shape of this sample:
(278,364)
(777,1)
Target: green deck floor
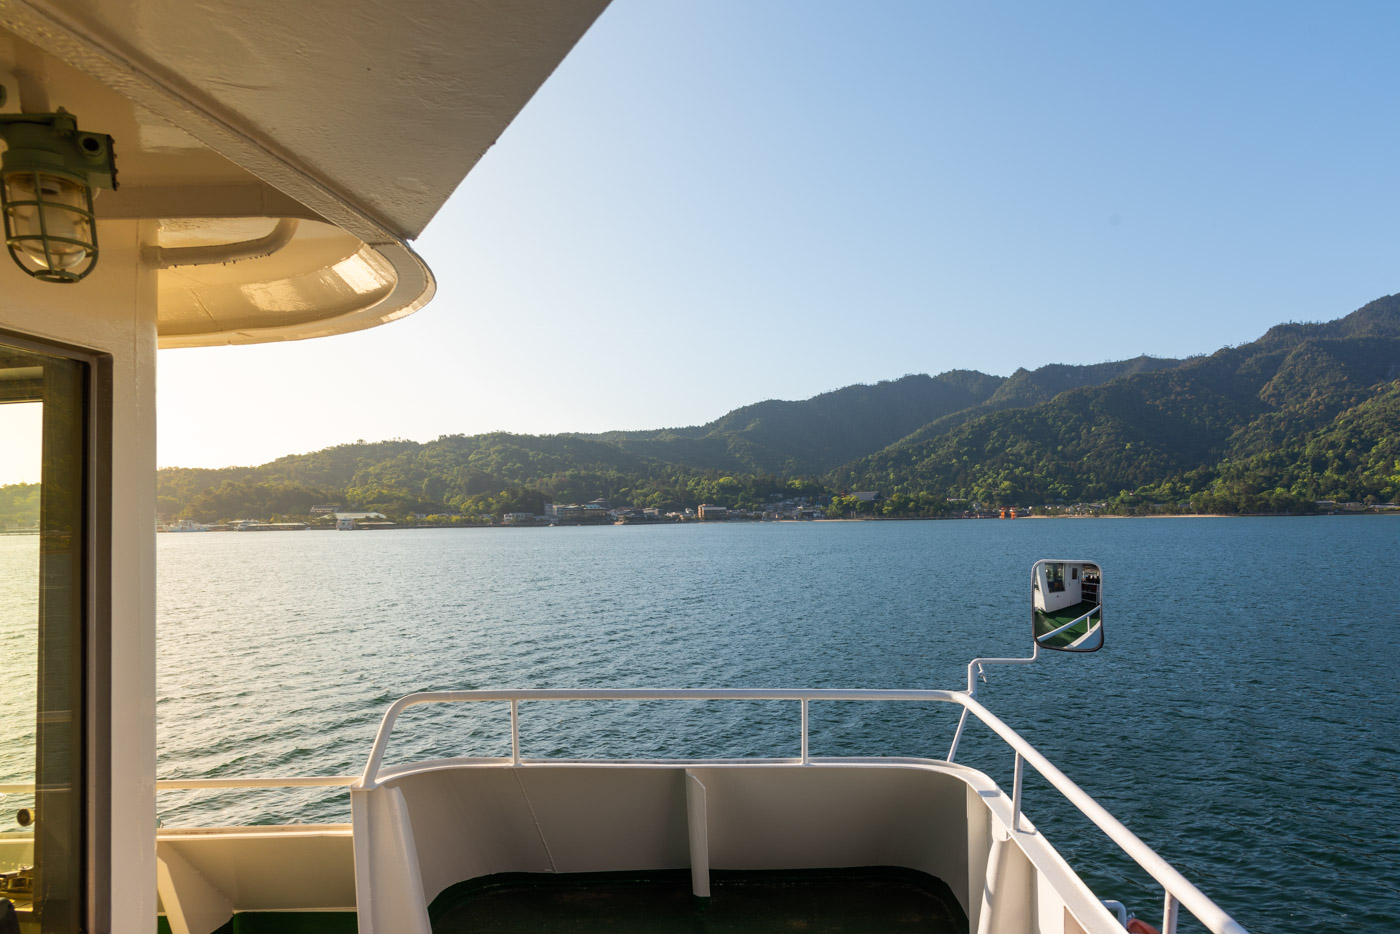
(1048,622)
(811,901)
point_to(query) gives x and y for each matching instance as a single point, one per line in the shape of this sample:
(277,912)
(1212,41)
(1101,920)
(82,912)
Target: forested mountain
(1223,428)
(493,473)
(1307,412)
(1026,388)
(814,435)
(19,506)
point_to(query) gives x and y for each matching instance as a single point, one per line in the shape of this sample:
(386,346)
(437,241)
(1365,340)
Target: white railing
(381,739)
(208,784)
(1074,622)
(1179,891)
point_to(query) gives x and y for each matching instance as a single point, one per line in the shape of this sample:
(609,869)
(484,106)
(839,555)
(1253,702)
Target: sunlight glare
(21,441)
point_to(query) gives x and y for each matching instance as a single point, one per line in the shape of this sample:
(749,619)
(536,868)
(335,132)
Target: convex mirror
(1067,605)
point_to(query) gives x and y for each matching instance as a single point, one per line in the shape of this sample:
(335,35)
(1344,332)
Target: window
(51,699)
(1055,578)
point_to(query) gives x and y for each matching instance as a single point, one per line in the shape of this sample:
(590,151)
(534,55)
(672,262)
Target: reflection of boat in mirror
(1067,605)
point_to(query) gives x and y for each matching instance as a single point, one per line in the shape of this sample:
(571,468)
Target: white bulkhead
(1058,584)
(272,161)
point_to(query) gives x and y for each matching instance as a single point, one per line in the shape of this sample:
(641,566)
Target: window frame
(94,580)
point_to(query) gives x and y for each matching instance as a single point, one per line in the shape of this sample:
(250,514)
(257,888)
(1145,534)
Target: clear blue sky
(715,203)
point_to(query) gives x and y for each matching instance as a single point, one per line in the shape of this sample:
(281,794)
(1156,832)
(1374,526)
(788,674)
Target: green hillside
(1026,388)
(1223,428)
(814,435)
(493,473)
(19,506)
(1307,412)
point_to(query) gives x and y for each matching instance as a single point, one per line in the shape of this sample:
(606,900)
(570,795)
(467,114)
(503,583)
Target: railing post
(1016,795)
(957,737)
(805,760)
(1169,914)
(515,732)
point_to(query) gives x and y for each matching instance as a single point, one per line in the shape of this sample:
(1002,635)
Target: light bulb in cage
(47,175)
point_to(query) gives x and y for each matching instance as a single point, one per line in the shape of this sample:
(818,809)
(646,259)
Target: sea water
(1243,718)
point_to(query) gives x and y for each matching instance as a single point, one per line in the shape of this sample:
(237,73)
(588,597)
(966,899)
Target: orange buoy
(1139,926)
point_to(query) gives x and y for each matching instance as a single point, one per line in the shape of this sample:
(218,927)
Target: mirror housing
(1067,605)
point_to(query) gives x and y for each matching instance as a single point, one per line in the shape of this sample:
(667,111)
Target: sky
(710,204)
(19,454)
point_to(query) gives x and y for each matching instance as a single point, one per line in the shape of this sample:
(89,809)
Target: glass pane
(41,638)
(20,429)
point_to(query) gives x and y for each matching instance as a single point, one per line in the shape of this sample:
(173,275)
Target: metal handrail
(204,784)
(1179,890)
(1078,619)
(310,781)
(381,739)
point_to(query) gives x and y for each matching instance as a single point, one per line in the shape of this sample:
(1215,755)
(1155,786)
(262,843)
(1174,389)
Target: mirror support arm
(1078,574)
(973,667)
(977,663)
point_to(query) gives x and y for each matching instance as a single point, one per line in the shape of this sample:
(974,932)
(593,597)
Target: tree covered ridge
(1219,433)
(1305,413)
(812,436)
(19,506)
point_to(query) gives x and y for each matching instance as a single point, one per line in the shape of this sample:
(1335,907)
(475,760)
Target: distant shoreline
(1196,515)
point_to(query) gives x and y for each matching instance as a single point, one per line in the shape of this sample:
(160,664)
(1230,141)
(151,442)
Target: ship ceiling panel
(331,129)
(150,150)
(323,281)
(386,105)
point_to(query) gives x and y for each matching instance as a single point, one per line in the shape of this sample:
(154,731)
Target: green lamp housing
(47,175)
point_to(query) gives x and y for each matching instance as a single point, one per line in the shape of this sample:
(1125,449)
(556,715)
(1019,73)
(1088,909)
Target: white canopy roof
(358,118)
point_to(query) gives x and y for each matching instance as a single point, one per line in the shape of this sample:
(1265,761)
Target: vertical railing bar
(1016,795)
(1169,913)
(515,732)
(957,737)
(805,759)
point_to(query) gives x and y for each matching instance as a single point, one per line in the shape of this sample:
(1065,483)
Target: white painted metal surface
(1178,888)
(355,117)
(380,818)
(181,194)
(698,827)
(209,784)
(466,820)
(207,874)
(113,312)
(373,111)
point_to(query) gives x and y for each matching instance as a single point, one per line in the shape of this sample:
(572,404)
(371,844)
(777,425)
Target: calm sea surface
(1244,718)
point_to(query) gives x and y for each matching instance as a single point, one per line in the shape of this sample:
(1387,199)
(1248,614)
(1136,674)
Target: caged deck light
(47,176)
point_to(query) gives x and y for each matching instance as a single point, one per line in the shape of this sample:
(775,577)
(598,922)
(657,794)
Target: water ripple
(1242,720)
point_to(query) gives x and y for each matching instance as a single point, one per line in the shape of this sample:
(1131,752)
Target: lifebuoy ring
(1139,926)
